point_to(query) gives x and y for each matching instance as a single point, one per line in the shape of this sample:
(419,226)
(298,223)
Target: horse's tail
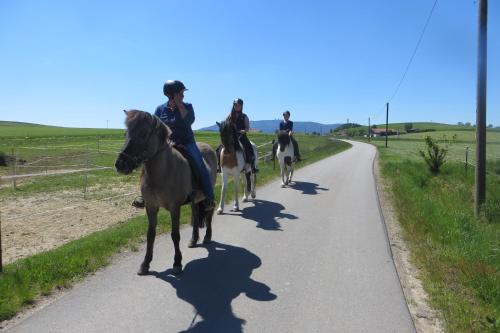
(204,215)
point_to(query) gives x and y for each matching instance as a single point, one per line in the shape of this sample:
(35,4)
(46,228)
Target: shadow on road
(306,187)
(210,284)
(266,214)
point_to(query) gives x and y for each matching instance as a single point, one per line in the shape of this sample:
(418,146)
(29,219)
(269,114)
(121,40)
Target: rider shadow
(306,187)
(210,284)
(266,214)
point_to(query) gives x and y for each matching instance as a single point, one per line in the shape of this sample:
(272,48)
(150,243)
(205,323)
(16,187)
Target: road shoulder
(426,319)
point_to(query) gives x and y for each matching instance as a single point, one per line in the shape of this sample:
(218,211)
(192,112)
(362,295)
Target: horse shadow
(266,214)
(307,187)
(210,284)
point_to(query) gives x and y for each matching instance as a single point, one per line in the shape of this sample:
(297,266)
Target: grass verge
(458,254)
(23,281)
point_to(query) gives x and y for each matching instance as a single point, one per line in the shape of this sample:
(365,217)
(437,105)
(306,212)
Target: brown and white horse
(232,162)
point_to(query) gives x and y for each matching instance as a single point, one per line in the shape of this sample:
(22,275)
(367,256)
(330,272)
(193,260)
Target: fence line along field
(56,187)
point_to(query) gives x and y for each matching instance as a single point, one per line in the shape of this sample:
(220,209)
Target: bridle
(142,157)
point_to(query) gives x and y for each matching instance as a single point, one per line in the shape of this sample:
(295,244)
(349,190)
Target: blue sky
(79,63)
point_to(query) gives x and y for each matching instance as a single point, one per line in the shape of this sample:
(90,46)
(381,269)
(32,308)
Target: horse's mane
(226,128)
(283,138)
(135,117)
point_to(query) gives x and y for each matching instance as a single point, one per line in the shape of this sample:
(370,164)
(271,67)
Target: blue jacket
(288,126)
(181,127)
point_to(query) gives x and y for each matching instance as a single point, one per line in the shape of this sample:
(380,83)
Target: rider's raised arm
(188,116)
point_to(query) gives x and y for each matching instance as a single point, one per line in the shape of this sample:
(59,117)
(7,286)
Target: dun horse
(166,180)
(285,154)
(233,163)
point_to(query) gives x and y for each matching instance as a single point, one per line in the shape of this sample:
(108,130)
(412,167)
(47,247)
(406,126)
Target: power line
(414,51)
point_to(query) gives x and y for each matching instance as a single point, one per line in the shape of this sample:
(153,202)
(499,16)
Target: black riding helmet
(172,87)
(238,101)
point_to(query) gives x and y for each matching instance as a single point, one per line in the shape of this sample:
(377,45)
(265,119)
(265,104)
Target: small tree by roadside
(435,155)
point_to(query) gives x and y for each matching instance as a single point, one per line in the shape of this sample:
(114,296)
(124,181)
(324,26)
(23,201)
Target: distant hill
(270,126)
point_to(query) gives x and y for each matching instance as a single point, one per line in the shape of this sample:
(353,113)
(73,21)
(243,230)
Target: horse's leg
(195,216)
(291,173)
(152,213)
(282,167)
(176,237)
(208,223)
(254,183)
(223,191)
(236,206)
(246,185)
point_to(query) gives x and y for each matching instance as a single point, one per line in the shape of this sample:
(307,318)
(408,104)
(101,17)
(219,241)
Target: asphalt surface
(312,257)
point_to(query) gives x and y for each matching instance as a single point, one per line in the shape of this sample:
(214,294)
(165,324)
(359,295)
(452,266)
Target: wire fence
(80,162)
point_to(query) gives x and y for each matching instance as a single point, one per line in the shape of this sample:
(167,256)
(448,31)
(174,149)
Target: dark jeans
(206,184)
(295,147)
(248,148)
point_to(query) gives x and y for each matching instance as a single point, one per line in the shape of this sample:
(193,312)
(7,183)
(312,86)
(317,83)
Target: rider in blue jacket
(179,117)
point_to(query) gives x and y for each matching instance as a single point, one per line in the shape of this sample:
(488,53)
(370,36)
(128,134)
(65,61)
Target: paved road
(309,258)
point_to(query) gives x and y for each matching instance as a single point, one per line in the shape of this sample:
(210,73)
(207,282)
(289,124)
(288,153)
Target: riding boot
(254,168)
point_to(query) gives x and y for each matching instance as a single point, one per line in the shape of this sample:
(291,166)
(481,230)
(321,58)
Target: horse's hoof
(219,211)
(192,243)
(253,195)
(283,185)
(207,240)
(143,271)
(236,209)
(245,199)
(176,270)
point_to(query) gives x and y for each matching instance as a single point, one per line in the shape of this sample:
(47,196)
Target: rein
(142,158)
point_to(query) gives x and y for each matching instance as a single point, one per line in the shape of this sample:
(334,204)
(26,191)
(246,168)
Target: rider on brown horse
(240,120)
(179,116)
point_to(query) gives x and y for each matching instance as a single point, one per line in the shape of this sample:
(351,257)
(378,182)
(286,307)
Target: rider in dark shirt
(242,123)
(179,116)
(287,125)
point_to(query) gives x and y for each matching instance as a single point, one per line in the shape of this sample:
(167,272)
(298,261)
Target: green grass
(459,254)
(25,280)
(15,130)
(420,126)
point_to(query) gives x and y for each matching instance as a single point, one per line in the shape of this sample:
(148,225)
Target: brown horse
(166,180)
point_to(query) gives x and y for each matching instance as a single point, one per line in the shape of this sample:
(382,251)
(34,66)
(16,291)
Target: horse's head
(228,135)
(144,137)
(283,139)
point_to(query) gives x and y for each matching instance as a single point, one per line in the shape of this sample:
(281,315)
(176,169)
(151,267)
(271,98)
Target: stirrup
(138,202)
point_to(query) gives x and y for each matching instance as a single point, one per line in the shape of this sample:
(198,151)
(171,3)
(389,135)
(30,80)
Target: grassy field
(23,281)
(458,254)
(15,130)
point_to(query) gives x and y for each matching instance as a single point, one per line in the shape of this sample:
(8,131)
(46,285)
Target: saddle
(219,149)
(196,194)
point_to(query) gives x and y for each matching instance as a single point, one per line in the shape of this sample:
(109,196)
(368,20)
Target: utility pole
(369,130)
(107,123)
(386,124)
(480,193)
